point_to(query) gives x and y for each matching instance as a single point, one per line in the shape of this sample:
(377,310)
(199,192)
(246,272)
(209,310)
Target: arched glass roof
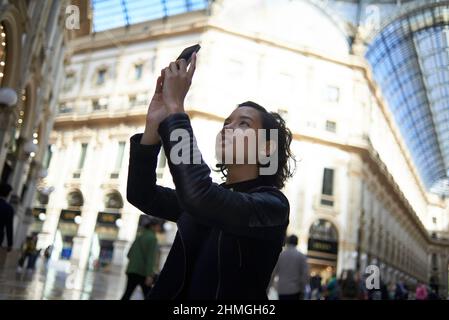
(109,14)
(410,62)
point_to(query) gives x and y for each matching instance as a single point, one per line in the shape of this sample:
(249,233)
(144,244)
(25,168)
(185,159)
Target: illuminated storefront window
(107,228)
(322,248)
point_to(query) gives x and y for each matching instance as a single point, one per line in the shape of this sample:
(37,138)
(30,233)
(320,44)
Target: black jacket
(229,236)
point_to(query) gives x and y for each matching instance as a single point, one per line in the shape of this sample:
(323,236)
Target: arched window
(42,198)
(113,200)
(323,230)
(75,199)
(322,246)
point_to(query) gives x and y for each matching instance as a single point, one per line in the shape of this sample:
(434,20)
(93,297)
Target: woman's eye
(244,123)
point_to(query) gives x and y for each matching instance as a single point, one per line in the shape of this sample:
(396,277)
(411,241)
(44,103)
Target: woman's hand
(156,113)
(177,83)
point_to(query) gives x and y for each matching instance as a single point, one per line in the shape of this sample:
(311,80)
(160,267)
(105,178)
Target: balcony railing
(85,108)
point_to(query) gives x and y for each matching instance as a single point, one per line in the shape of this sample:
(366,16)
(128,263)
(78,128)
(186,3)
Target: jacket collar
(246,185)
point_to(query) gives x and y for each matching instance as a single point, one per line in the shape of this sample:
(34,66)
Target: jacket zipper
(185,265)
(219,274)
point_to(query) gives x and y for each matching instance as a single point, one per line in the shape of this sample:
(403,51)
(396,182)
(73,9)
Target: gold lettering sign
(108,218)
(321,246)
(69,215)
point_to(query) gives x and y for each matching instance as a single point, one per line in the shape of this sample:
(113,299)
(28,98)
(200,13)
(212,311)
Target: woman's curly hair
(286,159)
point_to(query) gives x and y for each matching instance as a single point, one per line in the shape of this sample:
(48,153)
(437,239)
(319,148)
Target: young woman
(230,235)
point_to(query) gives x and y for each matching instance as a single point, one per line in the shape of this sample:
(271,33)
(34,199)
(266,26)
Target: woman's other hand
(178,79)
(156,113)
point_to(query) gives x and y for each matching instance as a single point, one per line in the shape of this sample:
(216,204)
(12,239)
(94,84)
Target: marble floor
(59,281)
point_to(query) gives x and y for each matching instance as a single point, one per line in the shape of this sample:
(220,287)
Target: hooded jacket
(229,236)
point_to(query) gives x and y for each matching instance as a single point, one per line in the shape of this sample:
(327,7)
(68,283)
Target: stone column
(24,223)
(20,168)
(83,239)
(46,237)
(353,214)
(6,122)
(126,235)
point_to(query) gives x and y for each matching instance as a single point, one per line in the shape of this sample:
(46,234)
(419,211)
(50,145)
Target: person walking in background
(29,253)
(142,257)
(315,287)
(432,295)
(333,288)
(421,292)
(401,292)
(47,254)
(292,271)
(6,216)
(349,286)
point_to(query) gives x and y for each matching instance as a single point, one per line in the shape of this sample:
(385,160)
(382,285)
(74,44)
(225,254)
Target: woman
(230,235)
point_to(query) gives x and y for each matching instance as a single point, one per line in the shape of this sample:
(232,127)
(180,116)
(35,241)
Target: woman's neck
(241,172)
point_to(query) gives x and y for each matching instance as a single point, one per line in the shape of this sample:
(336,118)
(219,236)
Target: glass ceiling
(410,61)
(110,14)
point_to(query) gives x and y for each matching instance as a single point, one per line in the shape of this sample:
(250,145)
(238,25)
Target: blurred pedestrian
(6,216)
(401,292)
(332,288)
(349,286)
(47,254)
(29,253)
(433,295)
(315,287)
(391,290)
(142,255)
(421,292)
(292,271)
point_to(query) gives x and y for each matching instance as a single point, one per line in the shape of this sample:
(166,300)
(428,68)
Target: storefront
(39,216)
(322,249)
(39,212)
(68,224)
(106,232)
(67,229)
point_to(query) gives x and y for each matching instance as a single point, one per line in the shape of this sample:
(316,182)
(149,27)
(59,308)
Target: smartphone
(186,54)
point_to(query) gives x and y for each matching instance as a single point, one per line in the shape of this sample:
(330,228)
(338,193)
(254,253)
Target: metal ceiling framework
(410,62)
(109,14)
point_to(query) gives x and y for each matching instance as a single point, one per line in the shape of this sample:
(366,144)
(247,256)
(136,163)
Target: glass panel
(410,62)
(110,14)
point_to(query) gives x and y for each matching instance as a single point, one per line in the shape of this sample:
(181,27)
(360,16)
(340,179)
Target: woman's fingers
(159,83)
(192,67)
(173,67)
(182,65)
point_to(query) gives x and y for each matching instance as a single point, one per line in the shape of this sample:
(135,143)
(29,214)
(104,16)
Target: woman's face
(237,142)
